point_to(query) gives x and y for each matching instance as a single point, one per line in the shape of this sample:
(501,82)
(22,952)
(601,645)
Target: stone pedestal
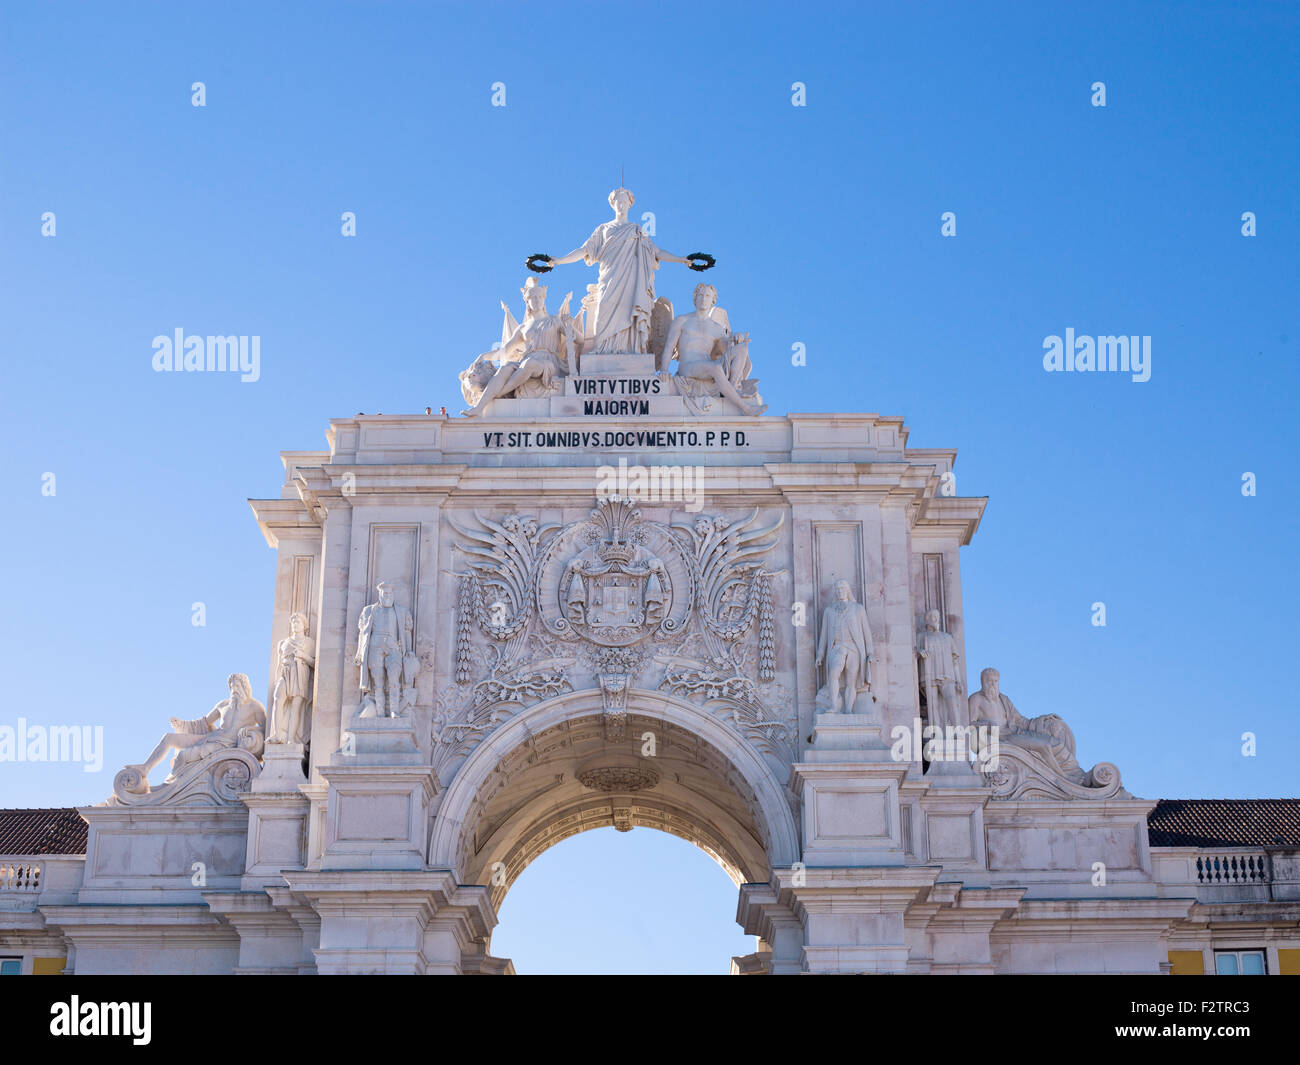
(1285,864)
(848,786)
(950,930)
(396,922)
(271,941)
(379,796)
(952,820)
(277,817)
(851,893)
(854,919)
(617,364)
(162,854)
(282,768)
(762,912)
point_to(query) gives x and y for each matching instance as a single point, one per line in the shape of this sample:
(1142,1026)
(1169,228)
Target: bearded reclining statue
(1035,758)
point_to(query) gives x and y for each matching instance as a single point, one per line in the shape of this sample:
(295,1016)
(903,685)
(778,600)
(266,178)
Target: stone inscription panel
(1063,847)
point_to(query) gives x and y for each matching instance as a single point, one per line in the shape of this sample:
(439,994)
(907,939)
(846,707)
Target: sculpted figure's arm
(363,626)
(670,345)
(584,252)
(218,722)
(572,257)
(513,344)
(866,636)
(1016,721)
(588,250)
(195,726)
(213,717)
(669,257)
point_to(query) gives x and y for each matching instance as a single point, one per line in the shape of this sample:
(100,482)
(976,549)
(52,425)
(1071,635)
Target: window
(11,966)
(1239,963)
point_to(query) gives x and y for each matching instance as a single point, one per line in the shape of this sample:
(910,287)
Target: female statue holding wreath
(625,289)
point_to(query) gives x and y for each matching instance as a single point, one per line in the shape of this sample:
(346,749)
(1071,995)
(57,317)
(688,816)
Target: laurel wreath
(699,260)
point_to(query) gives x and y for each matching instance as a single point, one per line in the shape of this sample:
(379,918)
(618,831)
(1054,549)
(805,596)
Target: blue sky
(825,221)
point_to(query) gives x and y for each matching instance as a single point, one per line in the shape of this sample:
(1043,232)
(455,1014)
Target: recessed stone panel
(374,817)
(951,836)
(851,815)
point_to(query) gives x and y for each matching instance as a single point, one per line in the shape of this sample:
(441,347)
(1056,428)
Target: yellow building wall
(1288,962)
(1189,962)
(54,966)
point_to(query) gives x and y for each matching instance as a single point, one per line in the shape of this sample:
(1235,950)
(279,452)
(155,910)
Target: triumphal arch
(616,591)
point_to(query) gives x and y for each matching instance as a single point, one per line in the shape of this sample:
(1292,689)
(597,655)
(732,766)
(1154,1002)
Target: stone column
(852,891)
(335,679)
(412,922)
(380,792)
(761,912)
(333,667)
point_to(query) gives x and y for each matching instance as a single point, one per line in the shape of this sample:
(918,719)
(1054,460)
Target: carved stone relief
(610,603)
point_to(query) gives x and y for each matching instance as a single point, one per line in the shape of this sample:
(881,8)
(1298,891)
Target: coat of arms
(616,591)
(676,599)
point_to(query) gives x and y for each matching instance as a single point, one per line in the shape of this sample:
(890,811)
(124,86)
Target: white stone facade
(394,852)
(618,596)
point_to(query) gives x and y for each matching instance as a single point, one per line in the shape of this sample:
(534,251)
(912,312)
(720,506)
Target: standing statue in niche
(290,716)
(386,656)
(940,673)
(625,288)
(845,646)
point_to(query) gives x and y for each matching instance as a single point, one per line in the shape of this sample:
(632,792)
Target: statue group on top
(619,315)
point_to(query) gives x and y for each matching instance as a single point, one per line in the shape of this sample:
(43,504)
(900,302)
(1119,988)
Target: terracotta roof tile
(1225,823)
(24,832)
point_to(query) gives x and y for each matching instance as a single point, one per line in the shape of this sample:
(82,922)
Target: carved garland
(464,611)
(766,629)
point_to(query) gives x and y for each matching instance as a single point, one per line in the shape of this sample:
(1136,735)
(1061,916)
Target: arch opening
(606,902)
(555,771)
(570,778)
